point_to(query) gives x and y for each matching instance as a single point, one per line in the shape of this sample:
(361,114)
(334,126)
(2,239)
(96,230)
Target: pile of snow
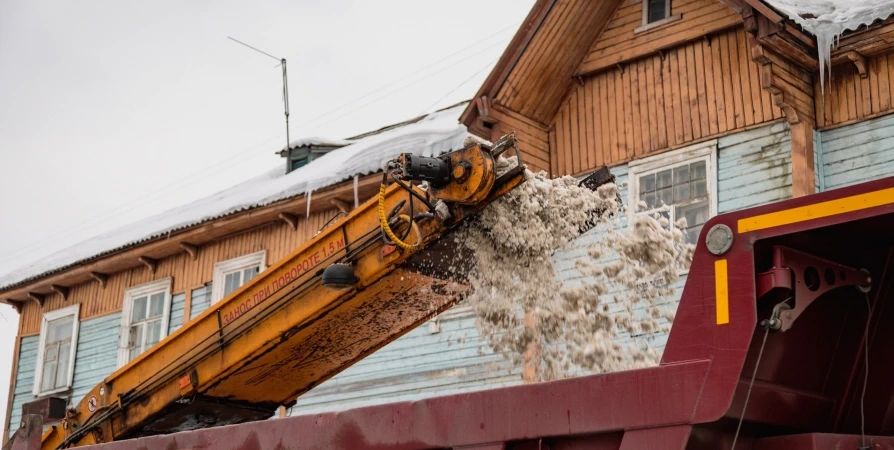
(525,309)
(316,141)
(829,19)
(432,135)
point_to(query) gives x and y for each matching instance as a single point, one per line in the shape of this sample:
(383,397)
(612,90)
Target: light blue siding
(97,355)
(178,303)
(564,262)
(96,358)
(200,300)
(24,383)
(754,168)
(418,365)
(860,152)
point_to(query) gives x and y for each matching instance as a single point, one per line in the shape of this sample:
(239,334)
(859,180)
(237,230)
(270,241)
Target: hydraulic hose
(383,220)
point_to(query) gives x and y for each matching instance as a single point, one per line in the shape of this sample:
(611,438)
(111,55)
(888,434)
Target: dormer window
(298,162)
(302,152)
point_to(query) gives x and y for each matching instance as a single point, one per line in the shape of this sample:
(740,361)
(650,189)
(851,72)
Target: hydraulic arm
(359,284)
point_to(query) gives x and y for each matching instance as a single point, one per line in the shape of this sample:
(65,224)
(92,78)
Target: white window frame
(668,17)
(127,311)
(705,151)
(222,268)
(74,310)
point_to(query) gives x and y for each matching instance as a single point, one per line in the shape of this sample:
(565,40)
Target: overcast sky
(111,114)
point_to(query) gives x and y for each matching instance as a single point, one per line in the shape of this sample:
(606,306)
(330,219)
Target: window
(231,275)
(684,180)
(200,300)
(299,162)
(56,351)
(144,319)
(655,10)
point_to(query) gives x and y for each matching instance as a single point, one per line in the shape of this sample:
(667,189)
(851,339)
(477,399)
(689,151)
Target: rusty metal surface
(27,437)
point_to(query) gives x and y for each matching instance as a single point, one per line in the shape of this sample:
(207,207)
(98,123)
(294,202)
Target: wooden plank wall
(850,98)
(277,238)
(619,42)
(533,137)
(543,73)
(703,89)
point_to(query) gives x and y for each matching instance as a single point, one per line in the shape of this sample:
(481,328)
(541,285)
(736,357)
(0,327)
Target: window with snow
(56,351)
(231,275)
(656,11)
(682,182)
(144,319)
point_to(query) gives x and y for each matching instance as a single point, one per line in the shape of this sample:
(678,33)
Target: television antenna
(285,83)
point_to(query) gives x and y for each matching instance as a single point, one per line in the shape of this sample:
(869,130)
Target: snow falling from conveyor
(603,320)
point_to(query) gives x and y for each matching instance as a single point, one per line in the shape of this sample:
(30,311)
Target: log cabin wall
(703,89)
(277,238)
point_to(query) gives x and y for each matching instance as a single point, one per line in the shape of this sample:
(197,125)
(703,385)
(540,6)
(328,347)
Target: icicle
(356,196)
(307,214)
(829,19)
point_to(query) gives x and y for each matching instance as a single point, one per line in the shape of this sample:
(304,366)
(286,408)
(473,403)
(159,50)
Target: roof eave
(509,59)
(17,292)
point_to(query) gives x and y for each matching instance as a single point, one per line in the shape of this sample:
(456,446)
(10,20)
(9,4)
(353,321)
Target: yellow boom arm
(338,298)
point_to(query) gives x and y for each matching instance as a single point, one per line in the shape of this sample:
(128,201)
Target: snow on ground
(433,134)
(828,19)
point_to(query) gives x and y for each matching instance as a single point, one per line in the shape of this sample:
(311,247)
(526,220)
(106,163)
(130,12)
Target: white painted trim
(224,267)
(74,310)
(137,291)
(704,150)
(657,24)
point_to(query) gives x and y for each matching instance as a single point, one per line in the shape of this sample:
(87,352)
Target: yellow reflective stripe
(721,291)
(817,210)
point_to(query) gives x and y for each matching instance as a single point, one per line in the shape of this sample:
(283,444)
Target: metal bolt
(719,239)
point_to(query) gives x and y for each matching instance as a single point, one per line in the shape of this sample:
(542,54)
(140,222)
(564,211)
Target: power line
(195,177)
(43,243)
(410,75)
(406,86)
(459,86)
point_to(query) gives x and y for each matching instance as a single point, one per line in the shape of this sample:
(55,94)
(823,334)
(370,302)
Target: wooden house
(708,106)
(93,307)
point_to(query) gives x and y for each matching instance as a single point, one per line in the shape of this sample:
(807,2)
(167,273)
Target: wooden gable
(699,90)
(625,38)
(585,84)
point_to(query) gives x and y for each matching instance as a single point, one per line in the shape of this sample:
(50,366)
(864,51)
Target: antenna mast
(285,84)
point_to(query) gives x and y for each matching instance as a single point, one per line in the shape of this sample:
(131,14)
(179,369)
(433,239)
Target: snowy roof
(829,19)
(428,135)
(316,141)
